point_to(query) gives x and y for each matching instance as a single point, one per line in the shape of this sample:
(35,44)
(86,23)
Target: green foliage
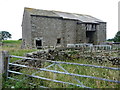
(117,37)
(4,35)
(16,84)
(110,39)
(14,49)
(73,52)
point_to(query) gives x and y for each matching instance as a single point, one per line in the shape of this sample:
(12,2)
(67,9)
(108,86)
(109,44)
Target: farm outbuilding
(42,28)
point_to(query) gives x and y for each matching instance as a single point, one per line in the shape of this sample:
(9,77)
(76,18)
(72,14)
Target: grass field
(14,49)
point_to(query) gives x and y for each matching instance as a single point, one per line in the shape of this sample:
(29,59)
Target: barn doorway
(39,44)
(90,36)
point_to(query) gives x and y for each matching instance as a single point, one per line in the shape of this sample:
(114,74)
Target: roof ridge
(66,15)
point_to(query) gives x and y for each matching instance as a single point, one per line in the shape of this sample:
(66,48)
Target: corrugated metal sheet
(64,15)
(87,18)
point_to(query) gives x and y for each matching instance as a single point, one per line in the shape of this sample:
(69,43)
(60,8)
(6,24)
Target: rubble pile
(64,55)
(49,55)
(27,62)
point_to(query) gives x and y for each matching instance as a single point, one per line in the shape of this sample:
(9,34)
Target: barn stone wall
(50,29)
(101,33)
(69,32)
(80,33)
(26,30)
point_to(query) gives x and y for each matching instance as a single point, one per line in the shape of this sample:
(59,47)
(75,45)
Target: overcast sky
(11,12)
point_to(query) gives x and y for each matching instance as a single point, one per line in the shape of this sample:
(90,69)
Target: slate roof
(64,15)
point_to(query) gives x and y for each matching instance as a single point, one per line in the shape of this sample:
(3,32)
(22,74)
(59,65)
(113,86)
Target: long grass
(82,70)
(96,72)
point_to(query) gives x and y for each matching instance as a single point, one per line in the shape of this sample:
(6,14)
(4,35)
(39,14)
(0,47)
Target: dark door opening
(39,44)
(58,40)
(90,36)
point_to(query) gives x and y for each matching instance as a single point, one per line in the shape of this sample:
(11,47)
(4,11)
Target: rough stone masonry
(43,28)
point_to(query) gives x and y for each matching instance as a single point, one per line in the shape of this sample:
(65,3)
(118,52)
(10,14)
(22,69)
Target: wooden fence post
(4,60)
(4,64)
(1,70)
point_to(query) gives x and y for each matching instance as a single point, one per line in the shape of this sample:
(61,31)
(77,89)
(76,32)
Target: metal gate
(63,71)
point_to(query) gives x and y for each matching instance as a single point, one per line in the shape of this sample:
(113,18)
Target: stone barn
(41,28)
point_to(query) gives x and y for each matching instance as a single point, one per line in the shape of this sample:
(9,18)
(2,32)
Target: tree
(110,39)
(117,37)
(4,35)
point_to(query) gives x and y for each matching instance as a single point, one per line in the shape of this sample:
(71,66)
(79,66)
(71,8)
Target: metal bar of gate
(72,76)
(45,78)
(95,66)
(67,73)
